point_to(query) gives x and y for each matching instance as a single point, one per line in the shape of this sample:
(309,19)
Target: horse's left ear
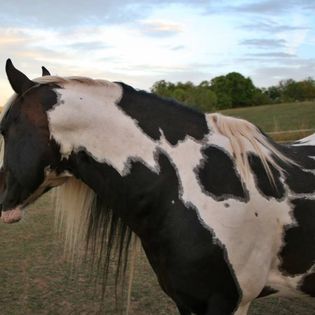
(45,72)
(18,80)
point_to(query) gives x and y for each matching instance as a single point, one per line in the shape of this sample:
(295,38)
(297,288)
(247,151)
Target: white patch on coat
(251,232)
(95,123)
(237,227)
(310,140)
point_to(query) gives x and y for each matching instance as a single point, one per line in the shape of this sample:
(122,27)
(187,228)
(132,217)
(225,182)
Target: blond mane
(83,229)
(243,136)
(73,203)
(72,79)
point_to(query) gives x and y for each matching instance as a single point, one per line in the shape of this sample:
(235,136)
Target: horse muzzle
(11,216)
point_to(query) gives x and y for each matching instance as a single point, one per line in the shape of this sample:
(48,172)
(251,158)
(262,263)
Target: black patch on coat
(299,181)
(43,97)
(156,115)
(263,183)
(297,177)
(266,291)
(308,285)
(298,253)
(301,154)
(190,264)
(218,176)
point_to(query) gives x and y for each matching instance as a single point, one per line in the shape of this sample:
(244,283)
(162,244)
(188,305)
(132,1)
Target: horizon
(141,42)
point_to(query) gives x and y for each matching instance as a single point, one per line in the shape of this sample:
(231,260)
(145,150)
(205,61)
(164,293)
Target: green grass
(35,278)
(280,117)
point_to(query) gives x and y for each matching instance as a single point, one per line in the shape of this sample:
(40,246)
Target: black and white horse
(223,213)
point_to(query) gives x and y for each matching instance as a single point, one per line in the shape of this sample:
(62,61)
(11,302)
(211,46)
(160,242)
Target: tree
(220,86)
(163,88)
(261,97)
(233,90)
(274,93)
(297,90)
(202,98)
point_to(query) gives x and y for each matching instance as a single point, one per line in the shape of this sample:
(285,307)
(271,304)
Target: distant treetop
(234,90)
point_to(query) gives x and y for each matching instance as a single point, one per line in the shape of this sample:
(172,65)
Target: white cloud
(160,28)
(145,41)
(60,13)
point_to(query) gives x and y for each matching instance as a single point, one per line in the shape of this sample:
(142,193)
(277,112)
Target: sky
(143,41)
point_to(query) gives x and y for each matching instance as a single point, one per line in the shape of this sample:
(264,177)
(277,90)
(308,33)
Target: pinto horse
(224,214)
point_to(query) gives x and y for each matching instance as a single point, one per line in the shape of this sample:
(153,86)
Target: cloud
(60,13)
(11,37)
(264,43)
(265,7)
(88,45)
(272,55)
(266,76)
(269,26)
(255,60)
(273,7)
(160,28)
(178,47)
(143,41)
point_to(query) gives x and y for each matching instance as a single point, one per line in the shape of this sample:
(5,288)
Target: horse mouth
(11,216)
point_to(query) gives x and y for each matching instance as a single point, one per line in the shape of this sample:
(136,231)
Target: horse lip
(11,216)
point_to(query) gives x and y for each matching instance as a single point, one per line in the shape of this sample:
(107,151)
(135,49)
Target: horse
(224,214)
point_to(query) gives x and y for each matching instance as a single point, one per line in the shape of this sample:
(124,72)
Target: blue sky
(141,42)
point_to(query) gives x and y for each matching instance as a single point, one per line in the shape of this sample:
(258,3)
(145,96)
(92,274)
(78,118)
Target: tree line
(234,90)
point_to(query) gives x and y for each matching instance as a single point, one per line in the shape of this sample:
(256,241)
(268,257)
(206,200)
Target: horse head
(31,159)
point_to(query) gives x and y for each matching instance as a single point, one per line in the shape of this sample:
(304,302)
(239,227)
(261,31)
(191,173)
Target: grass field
(35,278)
(280,117)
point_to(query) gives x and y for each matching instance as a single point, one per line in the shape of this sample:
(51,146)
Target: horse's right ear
(45,72)
(18,80)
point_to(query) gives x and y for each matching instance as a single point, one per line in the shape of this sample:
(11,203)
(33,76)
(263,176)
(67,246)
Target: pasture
(35,277)
(288,117)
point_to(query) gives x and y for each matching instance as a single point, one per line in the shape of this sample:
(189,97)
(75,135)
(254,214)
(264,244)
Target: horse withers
(224,214)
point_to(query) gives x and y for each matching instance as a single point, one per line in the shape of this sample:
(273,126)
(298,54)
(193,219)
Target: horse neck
(135,197)
(117,122)
(118,136)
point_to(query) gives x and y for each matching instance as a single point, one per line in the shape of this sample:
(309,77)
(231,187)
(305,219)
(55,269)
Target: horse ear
(18,80)
(45,72)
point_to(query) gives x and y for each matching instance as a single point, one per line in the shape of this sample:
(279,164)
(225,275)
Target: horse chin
(11,216)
